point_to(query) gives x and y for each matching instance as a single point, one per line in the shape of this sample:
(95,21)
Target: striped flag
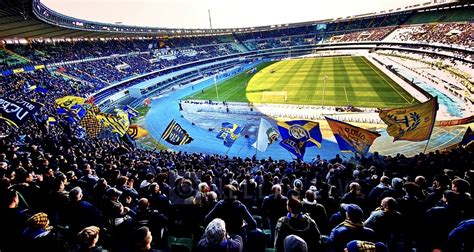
(175,134)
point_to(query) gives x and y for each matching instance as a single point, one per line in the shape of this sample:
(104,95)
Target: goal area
(274,97)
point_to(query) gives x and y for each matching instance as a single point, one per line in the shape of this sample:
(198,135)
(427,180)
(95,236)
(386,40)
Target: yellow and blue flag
(130,111)
(136,131)
(67,102)
(297,147)
(229,133)
(176,135)
(301,130)
(118,123)
(299,134)
(352,138)
(413,123)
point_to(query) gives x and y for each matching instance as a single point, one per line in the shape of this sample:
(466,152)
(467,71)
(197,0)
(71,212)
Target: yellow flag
(69,101)
(414,123)
(136,131)
(118,123)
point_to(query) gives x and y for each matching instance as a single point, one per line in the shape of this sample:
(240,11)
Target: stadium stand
(61,191)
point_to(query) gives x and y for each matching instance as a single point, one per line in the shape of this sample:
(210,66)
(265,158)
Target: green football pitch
(327,81)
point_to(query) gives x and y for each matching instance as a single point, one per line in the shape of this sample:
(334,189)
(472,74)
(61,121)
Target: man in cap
(352,228)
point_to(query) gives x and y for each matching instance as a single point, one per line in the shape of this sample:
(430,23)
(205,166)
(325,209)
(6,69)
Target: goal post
(274,97)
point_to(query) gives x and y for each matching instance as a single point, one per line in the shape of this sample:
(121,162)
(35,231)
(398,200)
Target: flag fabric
(68,101)
(175,134)
(51,121)
(468,137)
(266,135)
(297,147)
(130,111)
(413,123)
(90,123)
(40,89)
(302,130)
(299,134)
(16,112)
(136,131)
(352,138)
(229,133)
(118,123)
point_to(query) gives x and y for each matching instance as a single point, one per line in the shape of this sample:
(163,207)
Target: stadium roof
(30,19)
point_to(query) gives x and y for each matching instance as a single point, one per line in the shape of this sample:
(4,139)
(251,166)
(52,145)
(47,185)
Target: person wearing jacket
(299,224)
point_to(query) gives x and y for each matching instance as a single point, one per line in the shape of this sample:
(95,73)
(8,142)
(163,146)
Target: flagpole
(427,143)
(258,131)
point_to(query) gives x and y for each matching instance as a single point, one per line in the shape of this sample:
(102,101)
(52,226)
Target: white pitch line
(346,94)
(370,65)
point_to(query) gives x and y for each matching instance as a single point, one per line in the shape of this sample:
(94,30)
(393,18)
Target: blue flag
(229,133)
(298,134)
(294,146)
(130,111)
(468,137)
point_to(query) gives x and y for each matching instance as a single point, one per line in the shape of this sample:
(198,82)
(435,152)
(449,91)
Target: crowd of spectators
(62,192)
(377,34)
(444,33)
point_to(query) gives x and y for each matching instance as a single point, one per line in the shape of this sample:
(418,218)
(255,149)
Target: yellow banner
(413,123)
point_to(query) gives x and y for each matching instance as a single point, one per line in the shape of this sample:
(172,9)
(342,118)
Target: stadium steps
(240,44)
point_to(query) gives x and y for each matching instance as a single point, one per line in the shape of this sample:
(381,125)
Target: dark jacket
(274,207)
(386,225)
(233,213)
(346,232)
(302,226)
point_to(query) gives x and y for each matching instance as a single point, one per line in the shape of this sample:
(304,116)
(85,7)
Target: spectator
(216,238)
(87,240)
(293,243)
(351,229)
(386,222)
(297,223)
(274,207)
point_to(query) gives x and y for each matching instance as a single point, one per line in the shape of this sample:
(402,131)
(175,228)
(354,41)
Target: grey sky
(225,13)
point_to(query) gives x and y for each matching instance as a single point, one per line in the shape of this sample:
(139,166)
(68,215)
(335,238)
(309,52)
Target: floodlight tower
(210,22)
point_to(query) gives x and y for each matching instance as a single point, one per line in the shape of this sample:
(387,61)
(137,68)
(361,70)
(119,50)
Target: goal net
(274,97)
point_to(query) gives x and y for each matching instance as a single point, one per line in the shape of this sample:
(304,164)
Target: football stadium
(182,126)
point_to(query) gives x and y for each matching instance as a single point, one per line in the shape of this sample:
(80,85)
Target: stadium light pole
(324,90)
(215,85)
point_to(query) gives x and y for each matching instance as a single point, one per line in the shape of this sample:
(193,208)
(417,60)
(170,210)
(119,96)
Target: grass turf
(350,81)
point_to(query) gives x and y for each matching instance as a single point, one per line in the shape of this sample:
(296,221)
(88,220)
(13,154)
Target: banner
(352,138)
(130,111)
(413,123)
(301,130)
(17,112)
(462,121)
(67,102)
(118,123)
(90,123)
(175,134)
(266,136)
(229,133)
(297,147)
(136,131)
